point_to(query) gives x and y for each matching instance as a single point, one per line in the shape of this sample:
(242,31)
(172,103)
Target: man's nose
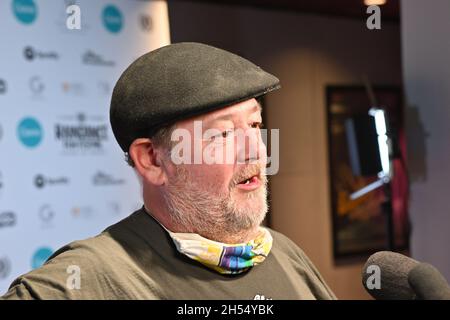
(250,146)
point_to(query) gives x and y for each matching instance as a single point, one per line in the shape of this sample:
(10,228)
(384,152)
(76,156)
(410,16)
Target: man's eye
(223,135)
(258,125)
(226,133)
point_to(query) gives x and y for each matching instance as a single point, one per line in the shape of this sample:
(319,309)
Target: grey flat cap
(179,81)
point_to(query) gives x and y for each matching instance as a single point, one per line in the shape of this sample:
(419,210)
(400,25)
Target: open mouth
(250,183)
(249,180)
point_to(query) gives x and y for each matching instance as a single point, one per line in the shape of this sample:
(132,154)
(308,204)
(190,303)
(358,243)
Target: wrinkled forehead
(239,110)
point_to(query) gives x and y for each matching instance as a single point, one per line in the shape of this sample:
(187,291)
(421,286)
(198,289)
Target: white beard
(201,209)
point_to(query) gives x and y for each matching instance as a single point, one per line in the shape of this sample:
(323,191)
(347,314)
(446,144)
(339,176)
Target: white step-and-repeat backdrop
(62,174)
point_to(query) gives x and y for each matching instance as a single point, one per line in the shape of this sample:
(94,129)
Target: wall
(426,52)
(306,52)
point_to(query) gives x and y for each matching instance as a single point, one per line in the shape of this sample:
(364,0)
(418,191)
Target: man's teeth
(248,181)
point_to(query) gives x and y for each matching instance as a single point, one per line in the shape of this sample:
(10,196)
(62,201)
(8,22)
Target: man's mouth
(250,183)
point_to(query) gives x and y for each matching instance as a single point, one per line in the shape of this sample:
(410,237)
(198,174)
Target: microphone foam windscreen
(394,270)
(428,283)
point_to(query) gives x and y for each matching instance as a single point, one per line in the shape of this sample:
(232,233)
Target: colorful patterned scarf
(224,258)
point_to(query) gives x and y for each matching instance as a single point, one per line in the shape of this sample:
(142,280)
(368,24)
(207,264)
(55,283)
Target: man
(198,235)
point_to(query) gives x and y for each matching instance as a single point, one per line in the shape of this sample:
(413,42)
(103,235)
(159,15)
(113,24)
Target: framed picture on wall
(361,225)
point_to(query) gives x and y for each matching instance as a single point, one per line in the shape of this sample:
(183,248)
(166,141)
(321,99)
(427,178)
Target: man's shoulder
(288,250)
(98,261)
(88,251)
(284,244)
(290,254)
(84,260)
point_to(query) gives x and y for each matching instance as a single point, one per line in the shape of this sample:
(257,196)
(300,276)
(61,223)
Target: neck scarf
(221,257)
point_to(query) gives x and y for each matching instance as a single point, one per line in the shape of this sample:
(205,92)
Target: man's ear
(147,161)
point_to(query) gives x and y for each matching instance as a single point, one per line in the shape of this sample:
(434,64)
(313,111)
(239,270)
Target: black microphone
(428,283)
(393,276)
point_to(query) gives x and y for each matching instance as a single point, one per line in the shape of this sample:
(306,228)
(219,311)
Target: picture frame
(362,226)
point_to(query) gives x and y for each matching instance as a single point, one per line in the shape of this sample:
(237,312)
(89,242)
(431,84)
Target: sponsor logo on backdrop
(3,86)
(146,22)
(96,59)
(40,181)
(81,134)
(1,183)
(73,88)
(32,54)
(36,86)
(40,256)
(104,179)
(112,19)
(29,53)
(29,132)
(5,267)
(25,11)
(7,219)
(82,212)
(46,215)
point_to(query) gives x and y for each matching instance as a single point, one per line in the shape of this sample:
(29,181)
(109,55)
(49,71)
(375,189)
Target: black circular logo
(39,181)
(2,86)
(29,53)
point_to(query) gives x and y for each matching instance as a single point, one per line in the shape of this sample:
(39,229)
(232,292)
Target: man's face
(222,190)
